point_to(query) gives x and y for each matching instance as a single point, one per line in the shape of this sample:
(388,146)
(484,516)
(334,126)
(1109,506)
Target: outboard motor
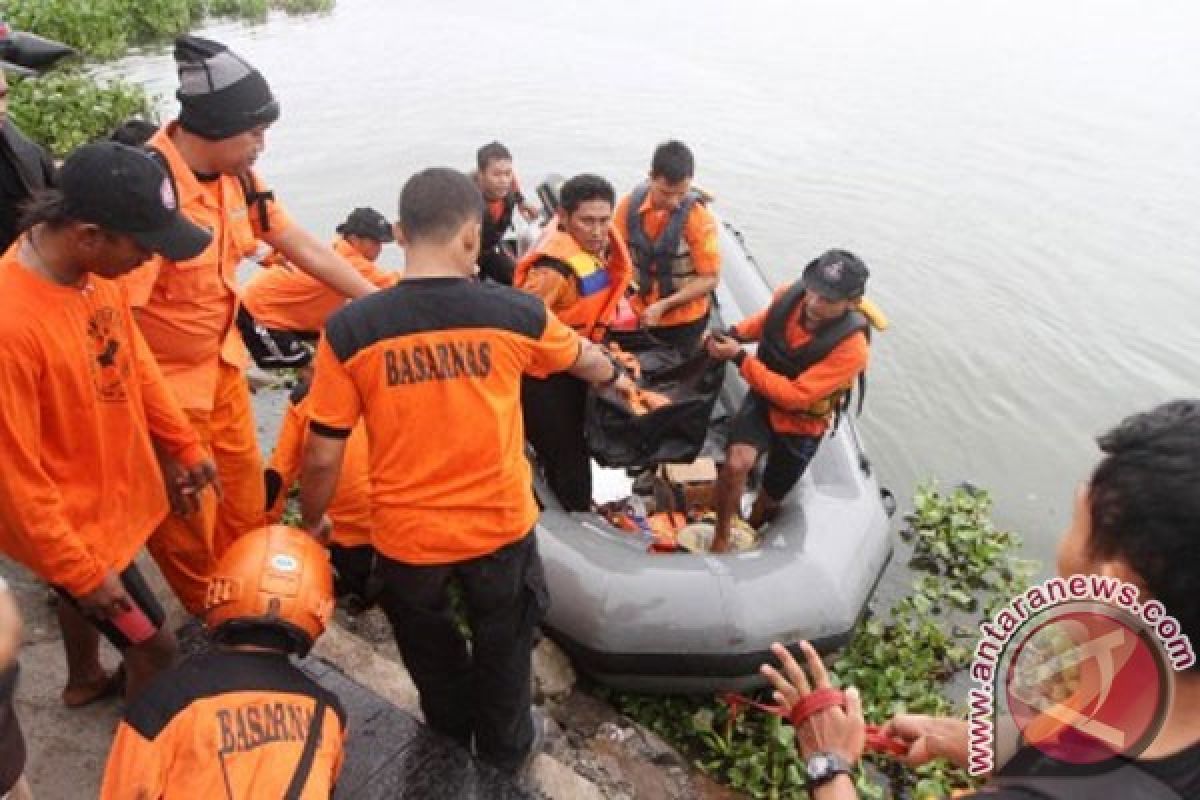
(547,192)
(27,53)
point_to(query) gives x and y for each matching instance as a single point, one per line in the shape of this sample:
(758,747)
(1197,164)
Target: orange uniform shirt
(291,300)
(350,508)
(224,724)
(434,367)
(787,397)
(700,233)
(80,397)
(186,309)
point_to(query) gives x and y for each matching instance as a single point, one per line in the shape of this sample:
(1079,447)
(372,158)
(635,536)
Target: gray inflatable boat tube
(676,623)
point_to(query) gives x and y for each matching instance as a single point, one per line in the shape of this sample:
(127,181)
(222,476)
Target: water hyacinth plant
(906,659)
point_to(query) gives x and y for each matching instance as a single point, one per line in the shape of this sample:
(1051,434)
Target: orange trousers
(186,548)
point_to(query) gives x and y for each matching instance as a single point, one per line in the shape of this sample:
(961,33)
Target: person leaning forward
(284,309)
(83,407)
(673,240)
(812,346)
(580,269)
(434,367)
(186,307)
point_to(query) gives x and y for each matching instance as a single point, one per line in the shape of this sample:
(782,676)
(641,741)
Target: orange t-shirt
(701,235)
(186,309)
(434,367)
(787,397)
(225,724)
(350,508)
(291,300)
(80,397)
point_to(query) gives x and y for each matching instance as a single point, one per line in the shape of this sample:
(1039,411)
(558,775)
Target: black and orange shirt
(226,724)
(434,366)
(80,398)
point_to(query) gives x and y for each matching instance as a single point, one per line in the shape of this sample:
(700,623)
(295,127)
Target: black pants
(12,741)
(272,348)
(554,411)
(352,567)
(497,265)
(788,454)
(482,692)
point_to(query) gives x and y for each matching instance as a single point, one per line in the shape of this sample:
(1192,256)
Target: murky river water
(1023,177)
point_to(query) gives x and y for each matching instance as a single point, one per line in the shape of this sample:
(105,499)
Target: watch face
(818,766)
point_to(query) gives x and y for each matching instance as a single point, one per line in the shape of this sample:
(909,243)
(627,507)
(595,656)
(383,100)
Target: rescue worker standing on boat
(673,241)
(186,309)
(812,346)
(433,365)
(496,179)
(580,270)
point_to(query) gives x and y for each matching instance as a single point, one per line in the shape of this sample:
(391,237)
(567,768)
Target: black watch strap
(824,767)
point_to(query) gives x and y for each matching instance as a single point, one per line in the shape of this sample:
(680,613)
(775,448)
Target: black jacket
(26,168)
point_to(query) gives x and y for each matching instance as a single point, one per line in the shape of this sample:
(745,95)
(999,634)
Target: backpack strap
(311,741)
(257,199)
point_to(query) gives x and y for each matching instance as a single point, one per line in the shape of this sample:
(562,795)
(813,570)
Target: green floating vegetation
(67,108)
(106,29)
(901,661)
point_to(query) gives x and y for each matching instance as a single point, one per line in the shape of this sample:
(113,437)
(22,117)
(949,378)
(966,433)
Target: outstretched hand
(838,730)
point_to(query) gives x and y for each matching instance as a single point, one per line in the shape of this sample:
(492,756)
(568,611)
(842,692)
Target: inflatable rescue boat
(697,622)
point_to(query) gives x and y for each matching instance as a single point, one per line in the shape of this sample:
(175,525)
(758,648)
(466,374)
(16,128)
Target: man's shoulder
(216,673)
(415,306)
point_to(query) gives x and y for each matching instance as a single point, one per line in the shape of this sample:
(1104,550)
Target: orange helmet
(273,577)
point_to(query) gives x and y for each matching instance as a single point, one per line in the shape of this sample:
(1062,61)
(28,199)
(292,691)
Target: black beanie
(221,94)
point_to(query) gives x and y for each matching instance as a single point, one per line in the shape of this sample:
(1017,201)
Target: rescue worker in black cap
(812,345)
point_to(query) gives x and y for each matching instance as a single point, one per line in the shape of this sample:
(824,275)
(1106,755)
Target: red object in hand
(814,703)
(880,742)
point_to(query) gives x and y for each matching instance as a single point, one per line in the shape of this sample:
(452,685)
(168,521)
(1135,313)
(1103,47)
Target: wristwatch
(824,767)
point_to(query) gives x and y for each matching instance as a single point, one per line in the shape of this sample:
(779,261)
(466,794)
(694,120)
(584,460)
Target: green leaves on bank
(106,29)
(905,660)
(67,108)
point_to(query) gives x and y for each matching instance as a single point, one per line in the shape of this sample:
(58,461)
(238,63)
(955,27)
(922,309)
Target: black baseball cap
(836,275)
(369,223)
(124,189)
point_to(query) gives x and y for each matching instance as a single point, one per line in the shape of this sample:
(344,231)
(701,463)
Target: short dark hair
(492,151)
(1145,505)
(436,202)
(134,132)
(585,187)
(674,161)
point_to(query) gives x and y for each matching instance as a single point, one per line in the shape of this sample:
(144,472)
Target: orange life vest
(600,283)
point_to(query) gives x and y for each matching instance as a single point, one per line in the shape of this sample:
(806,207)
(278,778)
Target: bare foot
(98,687)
